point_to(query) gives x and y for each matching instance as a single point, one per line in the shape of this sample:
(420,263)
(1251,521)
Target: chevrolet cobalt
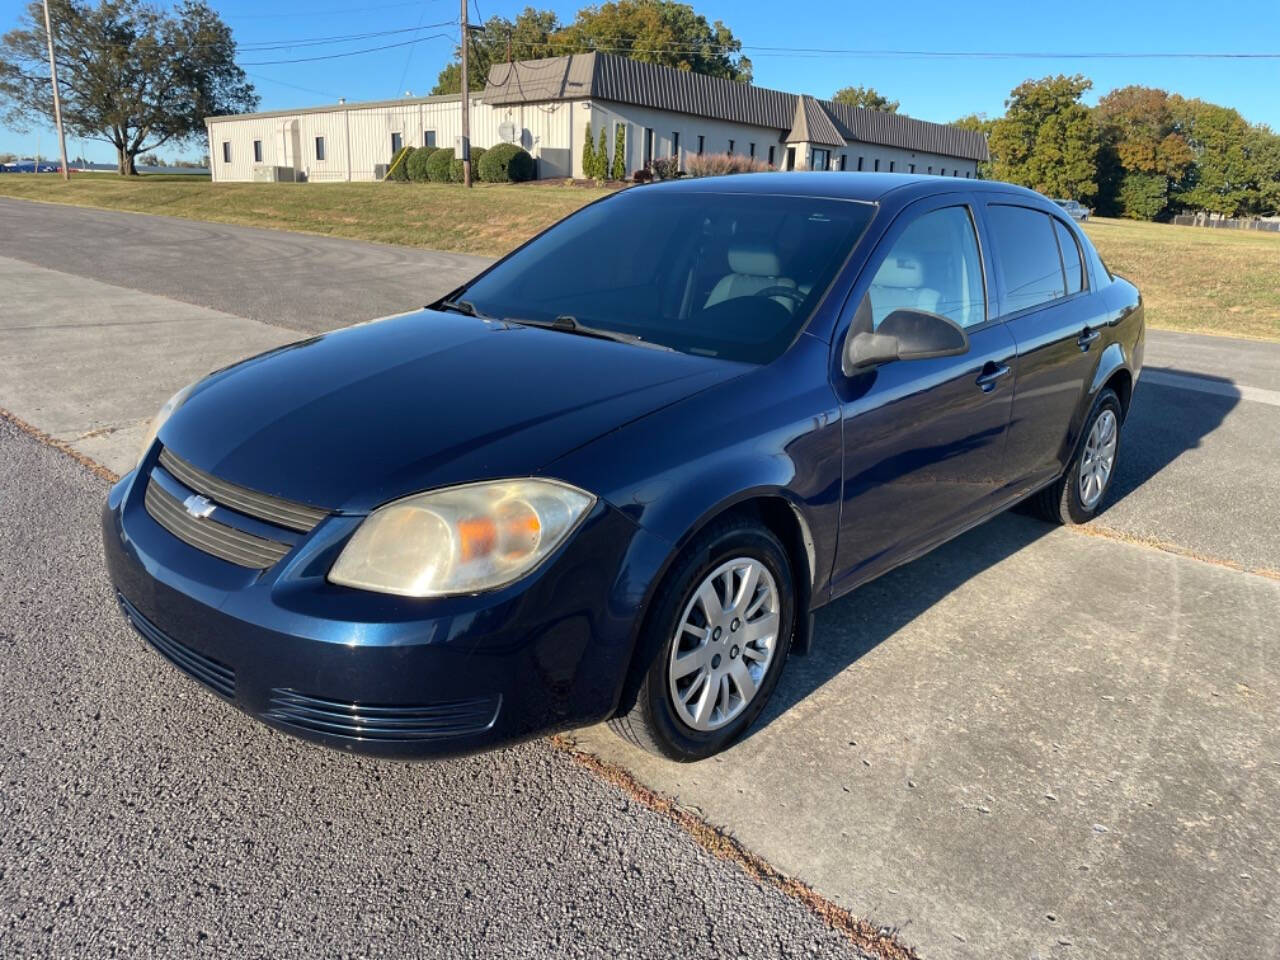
(613,476)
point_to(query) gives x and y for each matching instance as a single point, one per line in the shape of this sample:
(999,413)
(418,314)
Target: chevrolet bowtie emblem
(198,506)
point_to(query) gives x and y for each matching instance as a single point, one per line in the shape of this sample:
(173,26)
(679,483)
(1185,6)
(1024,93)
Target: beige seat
(755,268)
(899,285)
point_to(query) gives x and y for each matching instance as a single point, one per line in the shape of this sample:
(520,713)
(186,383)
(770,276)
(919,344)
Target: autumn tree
(654,31)
(867,97)
(1141,155)
(134,76)
(1047,139)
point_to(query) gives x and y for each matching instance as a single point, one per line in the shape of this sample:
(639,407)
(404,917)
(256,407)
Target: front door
(1045,301)
(923,438)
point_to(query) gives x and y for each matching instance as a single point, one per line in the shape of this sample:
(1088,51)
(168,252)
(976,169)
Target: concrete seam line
(1154,543)
(35,432)
(881,942)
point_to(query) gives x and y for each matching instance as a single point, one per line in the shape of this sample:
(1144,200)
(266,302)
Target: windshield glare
(724,275)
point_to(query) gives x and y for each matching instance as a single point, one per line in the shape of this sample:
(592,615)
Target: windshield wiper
(462,306)
(570,324)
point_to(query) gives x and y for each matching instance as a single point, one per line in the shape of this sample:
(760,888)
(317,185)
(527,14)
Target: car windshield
(726,275)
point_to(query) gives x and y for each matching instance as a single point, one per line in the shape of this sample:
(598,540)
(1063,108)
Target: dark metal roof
(623,80)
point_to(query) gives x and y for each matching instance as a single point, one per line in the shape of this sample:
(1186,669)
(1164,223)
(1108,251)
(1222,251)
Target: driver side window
(933,266)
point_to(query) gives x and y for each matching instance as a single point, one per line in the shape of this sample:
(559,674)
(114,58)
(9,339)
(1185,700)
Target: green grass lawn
(1194,279)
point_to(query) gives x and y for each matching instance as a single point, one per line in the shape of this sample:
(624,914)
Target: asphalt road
(140,816)
(1032,742)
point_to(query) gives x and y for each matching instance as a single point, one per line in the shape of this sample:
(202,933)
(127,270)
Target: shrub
(399,168)
(417,163)
(504,163)
(719,164)
(619,171)
(438,165)
(643,175)
(602,156)
(1143,195)
(665,168)
(589,154)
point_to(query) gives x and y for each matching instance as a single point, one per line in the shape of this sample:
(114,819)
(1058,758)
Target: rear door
(1044,299)
(922,438)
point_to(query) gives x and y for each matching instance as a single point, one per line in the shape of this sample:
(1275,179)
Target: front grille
(218,676)
(283,513)
(359,721)
(226,543)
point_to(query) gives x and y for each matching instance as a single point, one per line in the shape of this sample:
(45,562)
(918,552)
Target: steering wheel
(791,293)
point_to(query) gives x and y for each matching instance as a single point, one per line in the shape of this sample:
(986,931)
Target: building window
(319,148)
(791,158)
(675,146)
(877,165)
(771,155)
(701,143)
(428,138)
(257,151)
(648,147)
(942,171)
(226,151)
(859,163)
(930,169)
(913,167)
(397,142)
(966,174)
(843,163)
(731,146)
(891,165)
(821,160)
(751,151)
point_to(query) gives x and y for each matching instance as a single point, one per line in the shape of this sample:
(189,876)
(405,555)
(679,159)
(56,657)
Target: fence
(1190,220)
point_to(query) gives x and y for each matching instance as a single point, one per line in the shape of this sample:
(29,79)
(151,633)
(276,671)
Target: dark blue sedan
(613,476)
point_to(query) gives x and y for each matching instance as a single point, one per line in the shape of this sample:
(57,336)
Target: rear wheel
(714,646)
(1079,493)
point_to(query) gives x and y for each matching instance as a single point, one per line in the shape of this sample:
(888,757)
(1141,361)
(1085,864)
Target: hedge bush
(417,163)
(719,164)
(439,164)
(505,163)
(399,168)
(455,168)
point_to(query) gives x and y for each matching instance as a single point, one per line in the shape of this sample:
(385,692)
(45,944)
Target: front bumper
(383,675)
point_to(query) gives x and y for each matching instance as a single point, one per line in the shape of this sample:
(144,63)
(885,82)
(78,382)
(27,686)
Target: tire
(650,717)
(1063,501)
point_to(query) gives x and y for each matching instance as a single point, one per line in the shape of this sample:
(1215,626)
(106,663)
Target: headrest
(754,260)
(900,272)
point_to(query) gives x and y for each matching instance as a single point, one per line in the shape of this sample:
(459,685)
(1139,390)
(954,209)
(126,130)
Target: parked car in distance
(613,476)
(1075,209)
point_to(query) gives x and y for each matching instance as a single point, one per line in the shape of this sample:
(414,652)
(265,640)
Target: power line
(324,13)
(348,53)
(322,93)
(265,45)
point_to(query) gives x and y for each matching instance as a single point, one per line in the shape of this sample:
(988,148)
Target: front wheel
(715,645)
(1077,495)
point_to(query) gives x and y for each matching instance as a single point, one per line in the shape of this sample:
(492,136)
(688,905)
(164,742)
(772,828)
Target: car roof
(840,185)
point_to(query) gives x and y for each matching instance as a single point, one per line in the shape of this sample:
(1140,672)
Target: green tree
(620,153)
(1220,180)
(589,154)
(1138,142)
(527,37)
(1143,196)
(654,31)
(132,75)
(867,97)
(1263,145)
(602,155)
(978,123)
(1047,139)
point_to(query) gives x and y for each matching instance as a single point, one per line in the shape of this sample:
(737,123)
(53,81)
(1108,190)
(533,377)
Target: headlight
(170,405)
(462,539)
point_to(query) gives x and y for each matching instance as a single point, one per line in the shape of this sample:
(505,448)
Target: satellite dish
(507,131)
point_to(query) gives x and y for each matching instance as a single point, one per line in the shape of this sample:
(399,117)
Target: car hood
(352,419)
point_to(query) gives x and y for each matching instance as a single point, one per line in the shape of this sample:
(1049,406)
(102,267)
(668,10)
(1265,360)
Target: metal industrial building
(544,105)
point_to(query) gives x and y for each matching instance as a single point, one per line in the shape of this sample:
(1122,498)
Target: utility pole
(57,100)
(466,102)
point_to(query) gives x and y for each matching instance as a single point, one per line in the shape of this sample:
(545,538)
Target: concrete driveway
(1033,742)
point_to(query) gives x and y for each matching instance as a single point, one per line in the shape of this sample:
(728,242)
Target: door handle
(991,372)
(1086,338)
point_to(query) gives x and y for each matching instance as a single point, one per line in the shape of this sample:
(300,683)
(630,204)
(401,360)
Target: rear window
(728,275)
(1027,252)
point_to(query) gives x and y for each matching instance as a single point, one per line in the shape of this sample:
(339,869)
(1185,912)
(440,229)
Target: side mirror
(905,335)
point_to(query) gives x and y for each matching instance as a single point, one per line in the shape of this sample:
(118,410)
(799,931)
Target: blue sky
(930,88)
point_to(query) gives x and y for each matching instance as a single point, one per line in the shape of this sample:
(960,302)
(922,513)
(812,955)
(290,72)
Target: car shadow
(1163,422)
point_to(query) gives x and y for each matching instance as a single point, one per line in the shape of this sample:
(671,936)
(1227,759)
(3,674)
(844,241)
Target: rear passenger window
(933,266)
(1027,252)
(1071,262)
